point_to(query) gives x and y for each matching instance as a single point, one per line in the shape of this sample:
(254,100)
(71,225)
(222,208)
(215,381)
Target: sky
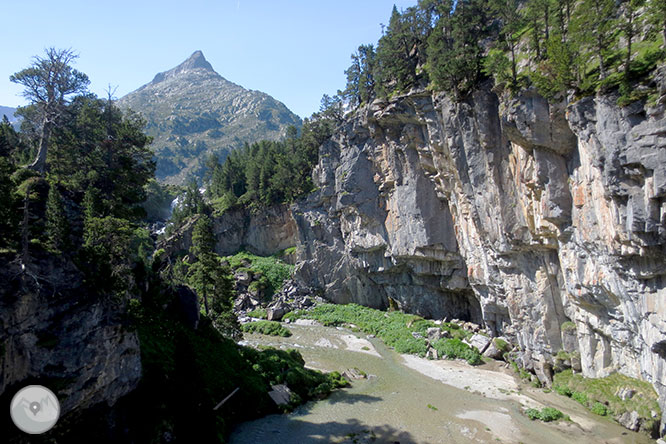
(294,50)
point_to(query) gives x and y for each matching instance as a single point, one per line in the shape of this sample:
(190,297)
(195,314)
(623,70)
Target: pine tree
(210,279)
(512,21)
(630,23)
(594,30)
(56,221)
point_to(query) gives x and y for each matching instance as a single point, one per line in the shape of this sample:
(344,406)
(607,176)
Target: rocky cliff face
(544,221)
(58,334)
(264,233)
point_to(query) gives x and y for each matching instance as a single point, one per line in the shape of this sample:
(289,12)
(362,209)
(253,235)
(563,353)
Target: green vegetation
(394,328)
(600,395)
(556,46)
(547,414)
(456,349)
(188,372)
(270,328)
(211,280)
(269,271)
(568,326)
(268,172)
(432,407)
(258,313)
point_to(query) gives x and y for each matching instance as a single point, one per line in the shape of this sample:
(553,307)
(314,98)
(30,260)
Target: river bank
(408,399)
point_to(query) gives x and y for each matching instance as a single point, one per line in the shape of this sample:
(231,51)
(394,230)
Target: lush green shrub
(599,409)
(579,397)
(270,328)
(562,390)
(547,414)
(456,349)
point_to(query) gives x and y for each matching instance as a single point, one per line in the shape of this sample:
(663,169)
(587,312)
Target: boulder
(275,313)
(625,393)
(417,335)
(481,342)
(281,394)
(495,349)
(352,374)
(434,333)
(630,420)
(432,354)
(243,277)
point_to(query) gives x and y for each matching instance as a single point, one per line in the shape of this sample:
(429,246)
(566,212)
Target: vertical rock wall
(520,213)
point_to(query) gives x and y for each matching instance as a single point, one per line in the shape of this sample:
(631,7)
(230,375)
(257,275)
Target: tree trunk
(39,163)
(514,71)
(25,229)
(602,68)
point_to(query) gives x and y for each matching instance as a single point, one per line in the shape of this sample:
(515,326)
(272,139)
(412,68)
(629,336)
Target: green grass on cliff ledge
(599,395)
(394,328)
(269,271)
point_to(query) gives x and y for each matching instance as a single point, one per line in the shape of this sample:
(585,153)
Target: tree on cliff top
(48,83)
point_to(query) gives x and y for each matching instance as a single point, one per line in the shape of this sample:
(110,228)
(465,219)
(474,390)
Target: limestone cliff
(517,213)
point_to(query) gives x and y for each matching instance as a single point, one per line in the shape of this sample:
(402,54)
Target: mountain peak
(195,61)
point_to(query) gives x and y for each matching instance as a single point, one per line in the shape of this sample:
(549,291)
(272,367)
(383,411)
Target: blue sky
(295,50)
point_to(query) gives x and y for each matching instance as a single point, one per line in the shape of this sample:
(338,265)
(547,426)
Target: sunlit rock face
(517,213)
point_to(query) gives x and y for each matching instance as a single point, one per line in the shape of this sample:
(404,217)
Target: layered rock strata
(544,221)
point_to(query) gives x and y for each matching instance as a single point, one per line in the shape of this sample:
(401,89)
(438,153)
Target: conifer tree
(594,30)
(56,221)
(210,279)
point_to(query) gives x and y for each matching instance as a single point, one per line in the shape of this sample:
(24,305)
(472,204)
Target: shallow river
(406,400)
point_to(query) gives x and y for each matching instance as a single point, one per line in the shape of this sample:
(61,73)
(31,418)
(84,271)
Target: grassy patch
(546,414)
(270,328)
(568,326)
(258,313)
(456,349)
(271,270)
(599,395)
(394,328)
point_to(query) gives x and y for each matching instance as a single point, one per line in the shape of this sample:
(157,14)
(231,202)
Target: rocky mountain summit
(192,111)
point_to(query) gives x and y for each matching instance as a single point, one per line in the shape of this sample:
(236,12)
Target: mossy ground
(600,395)
(394,328)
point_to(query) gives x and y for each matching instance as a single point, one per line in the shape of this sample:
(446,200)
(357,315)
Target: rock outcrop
(546,222)
(264,233)
(60,334)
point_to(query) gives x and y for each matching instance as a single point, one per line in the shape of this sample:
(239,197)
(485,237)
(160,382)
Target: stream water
(405,400)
